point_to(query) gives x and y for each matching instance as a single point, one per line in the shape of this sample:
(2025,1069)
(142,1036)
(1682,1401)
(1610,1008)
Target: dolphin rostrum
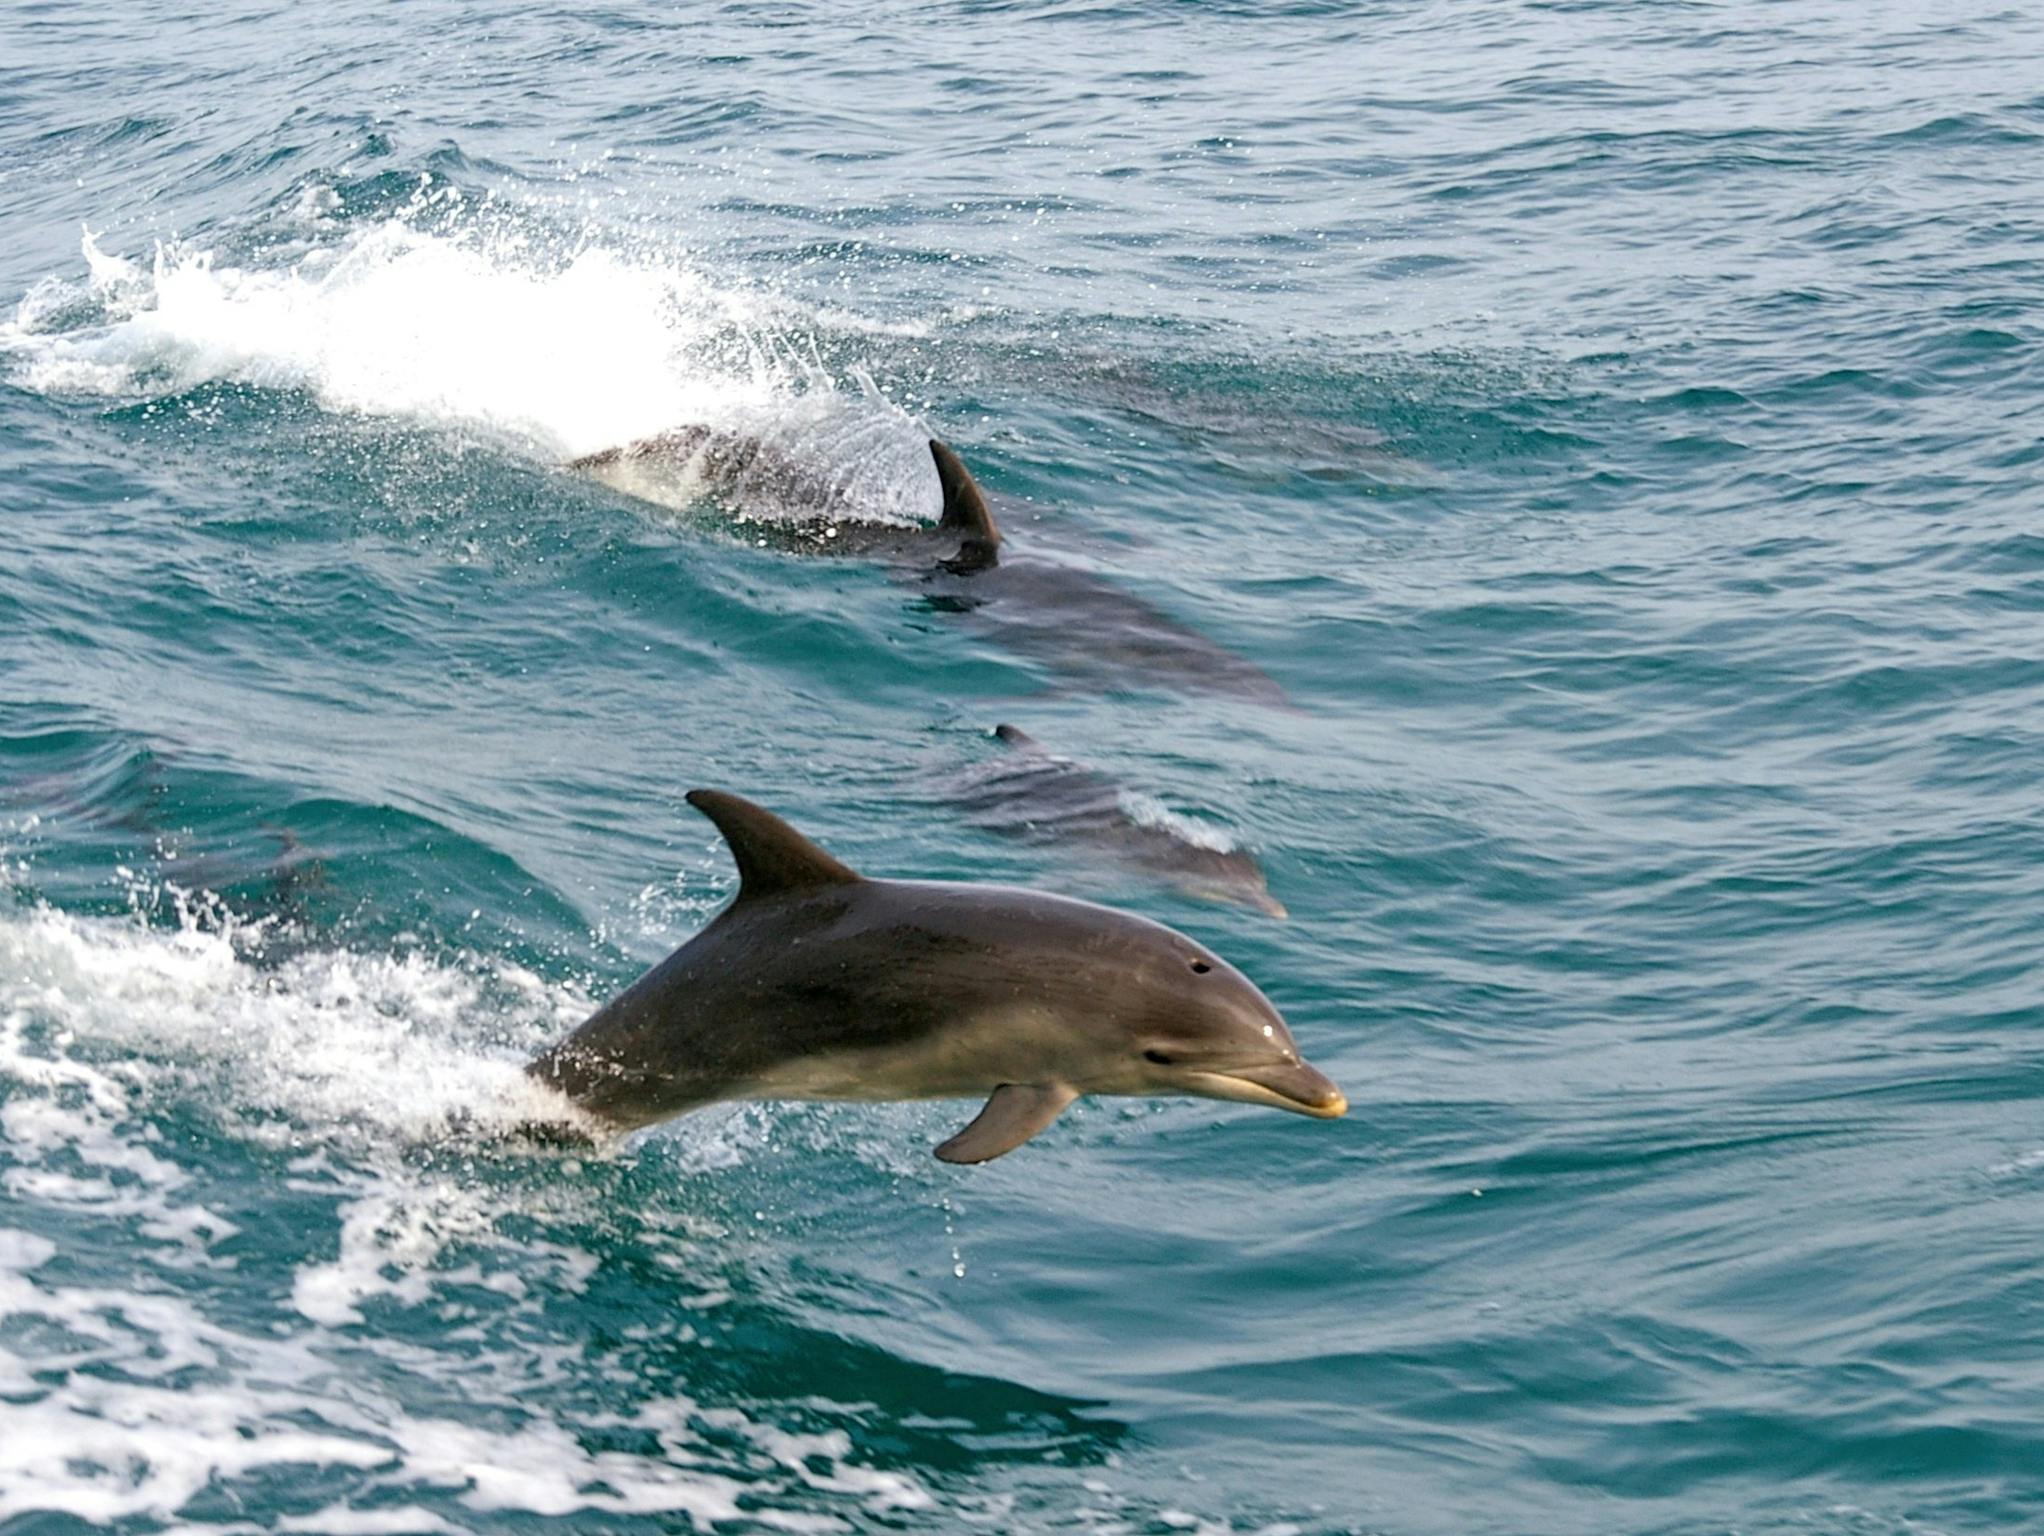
(1038,603)
(817,983)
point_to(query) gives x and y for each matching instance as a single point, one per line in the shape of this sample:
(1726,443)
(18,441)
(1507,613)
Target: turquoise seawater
(1618,428)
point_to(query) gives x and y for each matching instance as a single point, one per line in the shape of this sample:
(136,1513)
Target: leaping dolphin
(817,983)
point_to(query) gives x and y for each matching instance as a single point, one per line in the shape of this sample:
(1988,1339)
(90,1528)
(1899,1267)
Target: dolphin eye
(1160,1058)
(1200,967)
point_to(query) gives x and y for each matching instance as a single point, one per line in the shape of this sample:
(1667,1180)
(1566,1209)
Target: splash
(362,1048)
(1148,811)
(178,1403)
(131,1396)
(491,334)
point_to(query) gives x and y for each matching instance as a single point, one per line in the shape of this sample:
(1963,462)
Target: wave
(547,348)
(234,1273)
(361,1048)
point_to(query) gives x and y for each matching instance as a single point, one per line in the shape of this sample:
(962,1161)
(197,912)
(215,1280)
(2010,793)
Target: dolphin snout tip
(1294,1085)
(1314,1093)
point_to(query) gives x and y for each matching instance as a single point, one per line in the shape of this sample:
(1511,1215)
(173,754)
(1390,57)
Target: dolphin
(1038,603)
(791,502)
(1034,794)
(818,983)
(117,796)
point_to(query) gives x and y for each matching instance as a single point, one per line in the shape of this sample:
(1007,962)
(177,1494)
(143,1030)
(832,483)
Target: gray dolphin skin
(1080,623)
(1033,794)
(791,502)
(817,983)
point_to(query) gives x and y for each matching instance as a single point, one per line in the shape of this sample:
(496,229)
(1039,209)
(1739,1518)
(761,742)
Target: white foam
(106,1447)
(397,322)
(21,1252)
(2027,1162)
(106,1023)
(17,835)
(558,352)
(368,1522)
(820,1461)
(373,1047)
(1148,811)
(127,1396)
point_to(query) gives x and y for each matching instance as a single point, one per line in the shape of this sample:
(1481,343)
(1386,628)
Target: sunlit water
(1616,430)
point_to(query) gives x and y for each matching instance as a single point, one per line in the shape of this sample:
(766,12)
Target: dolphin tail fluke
(1016,1112)
(965,512)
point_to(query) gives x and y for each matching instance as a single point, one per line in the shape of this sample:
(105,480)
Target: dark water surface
(1614,429)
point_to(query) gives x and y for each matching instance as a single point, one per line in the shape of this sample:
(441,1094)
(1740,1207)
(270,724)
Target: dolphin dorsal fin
(772,857)
(965,512)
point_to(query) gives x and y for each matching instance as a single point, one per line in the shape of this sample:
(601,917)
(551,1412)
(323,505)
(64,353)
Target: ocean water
(1617,429)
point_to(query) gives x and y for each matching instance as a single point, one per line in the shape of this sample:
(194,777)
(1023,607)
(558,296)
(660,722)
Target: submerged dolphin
(816,983)
(1048,607)
(1033,793)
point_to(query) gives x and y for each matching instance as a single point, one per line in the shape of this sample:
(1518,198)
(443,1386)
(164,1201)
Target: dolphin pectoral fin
(1016,1112)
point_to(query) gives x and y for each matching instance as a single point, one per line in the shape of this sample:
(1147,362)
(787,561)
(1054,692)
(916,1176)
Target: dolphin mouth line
(1298,1088)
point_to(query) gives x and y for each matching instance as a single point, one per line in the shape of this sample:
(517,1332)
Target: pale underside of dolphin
(1079,622)
(818,983)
